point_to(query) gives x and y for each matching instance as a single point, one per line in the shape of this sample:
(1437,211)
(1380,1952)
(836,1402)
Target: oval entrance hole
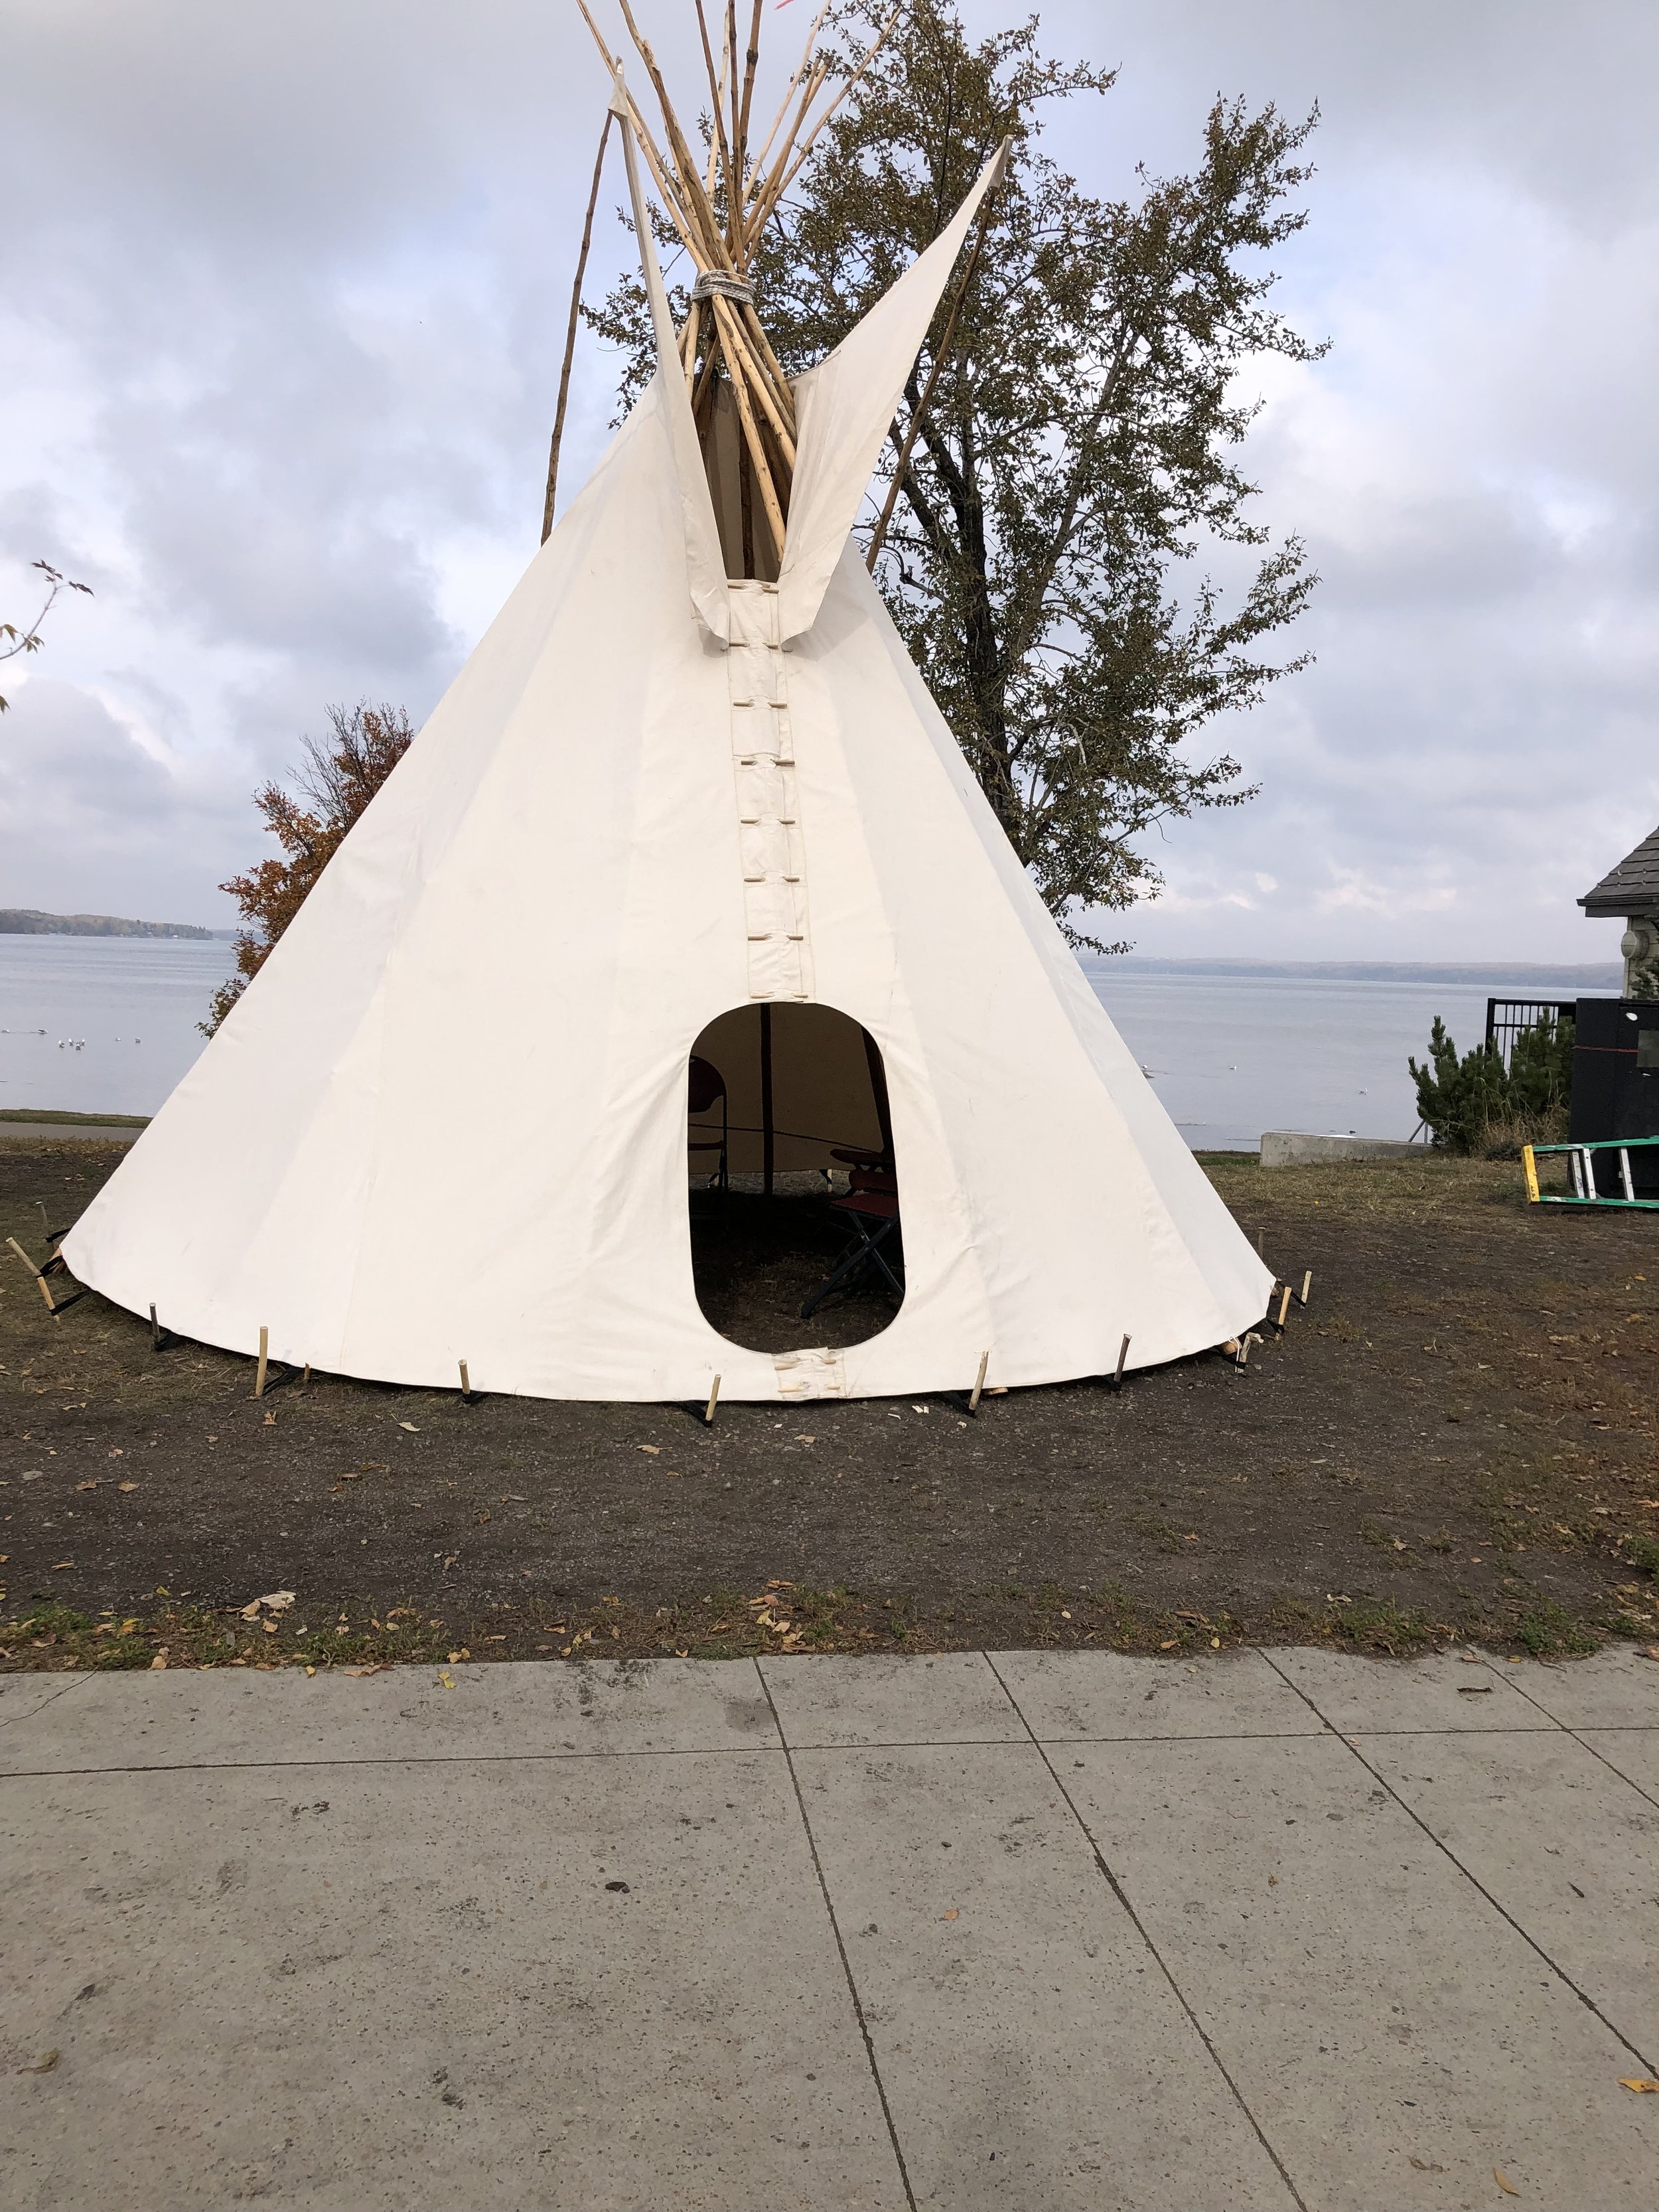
(794,1195)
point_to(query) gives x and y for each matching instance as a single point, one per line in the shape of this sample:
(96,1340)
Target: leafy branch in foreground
(28,641)
(336,780)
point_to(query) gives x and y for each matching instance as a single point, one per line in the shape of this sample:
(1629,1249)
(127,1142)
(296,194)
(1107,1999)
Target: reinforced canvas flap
(844,408)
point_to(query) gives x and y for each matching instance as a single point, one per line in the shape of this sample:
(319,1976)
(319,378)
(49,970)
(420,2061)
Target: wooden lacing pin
(1122,1354)
(159,1338)
(466,1385)
(259,1374)
(714,1401)
(1307,1284)
(1283,1308)
(1244,1344)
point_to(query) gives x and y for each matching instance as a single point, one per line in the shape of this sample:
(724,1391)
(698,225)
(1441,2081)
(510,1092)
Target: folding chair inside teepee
(874,1215)
(705,1090)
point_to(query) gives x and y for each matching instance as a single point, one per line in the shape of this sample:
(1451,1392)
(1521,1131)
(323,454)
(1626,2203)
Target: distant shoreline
(29,921)
(1607,975)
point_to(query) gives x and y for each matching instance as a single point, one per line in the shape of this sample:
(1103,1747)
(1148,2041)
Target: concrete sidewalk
(1010,1931)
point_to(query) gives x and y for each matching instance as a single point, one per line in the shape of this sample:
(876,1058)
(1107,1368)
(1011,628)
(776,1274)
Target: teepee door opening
(793,1186)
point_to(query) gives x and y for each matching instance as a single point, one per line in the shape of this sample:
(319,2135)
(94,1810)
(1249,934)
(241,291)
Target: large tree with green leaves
(1069,438)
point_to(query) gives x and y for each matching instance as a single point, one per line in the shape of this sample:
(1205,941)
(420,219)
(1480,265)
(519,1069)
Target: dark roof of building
(1631,888)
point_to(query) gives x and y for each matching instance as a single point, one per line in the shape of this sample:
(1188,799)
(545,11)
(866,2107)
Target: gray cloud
(284,304)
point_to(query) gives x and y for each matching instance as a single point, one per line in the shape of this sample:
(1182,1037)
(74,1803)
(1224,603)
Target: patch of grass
(1379,1624)
(1643,1552)
(1157,1531)
(1549,1630)
(54,1637)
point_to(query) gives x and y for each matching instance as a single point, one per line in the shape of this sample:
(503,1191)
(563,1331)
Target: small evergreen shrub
(1472,1104)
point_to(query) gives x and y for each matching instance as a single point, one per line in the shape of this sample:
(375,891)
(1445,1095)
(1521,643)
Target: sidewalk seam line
(1350,1745)
(1631,1728)
(1629,1780)
(363,1759)
(1153,1952)
(840,1947)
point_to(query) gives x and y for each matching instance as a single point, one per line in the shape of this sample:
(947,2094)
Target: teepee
(688,781)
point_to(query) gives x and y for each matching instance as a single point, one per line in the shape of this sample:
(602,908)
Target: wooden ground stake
(154,1331)
(306,1378)
(1284,1305)
(1307,1284)
(1122,1354)
(259,1378)
(714,1401)
(466,1386)
(979,1383)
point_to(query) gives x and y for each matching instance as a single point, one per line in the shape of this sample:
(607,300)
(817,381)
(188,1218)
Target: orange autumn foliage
(337,779)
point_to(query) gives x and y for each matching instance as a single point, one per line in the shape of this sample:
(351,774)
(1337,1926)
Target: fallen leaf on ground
(275,1601)
(654,1449)
(806,1440)
(59,1565)
(158,1664)
(410,1426)
(446,1681)
(126,1486)
(955,1913)
(1421,2168)
(270,1420)
(45,2066)
(1503,2182)
(1170,1646)
(93,1484)
(380,1667)
(1640,2087)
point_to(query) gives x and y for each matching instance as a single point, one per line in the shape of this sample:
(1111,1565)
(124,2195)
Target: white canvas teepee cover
(447,1119)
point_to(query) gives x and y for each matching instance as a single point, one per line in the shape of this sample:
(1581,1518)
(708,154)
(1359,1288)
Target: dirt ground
(1456,1438)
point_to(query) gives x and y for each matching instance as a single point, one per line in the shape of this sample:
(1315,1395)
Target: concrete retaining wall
(1290,1148)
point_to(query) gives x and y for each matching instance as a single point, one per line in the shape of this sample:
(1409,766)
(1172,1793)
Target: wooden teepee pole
(570,336)
(878,537)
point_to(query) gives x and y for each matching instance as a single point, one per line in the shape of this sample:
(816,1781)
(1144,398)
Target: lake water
(92,1024)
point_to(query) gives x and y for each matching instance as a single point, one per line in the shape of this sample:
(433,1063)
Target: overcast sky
(282,304)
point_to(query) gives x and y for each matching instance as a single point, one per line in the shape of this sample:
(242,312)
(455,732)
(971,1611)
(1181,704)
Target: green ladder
(1582,1168)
